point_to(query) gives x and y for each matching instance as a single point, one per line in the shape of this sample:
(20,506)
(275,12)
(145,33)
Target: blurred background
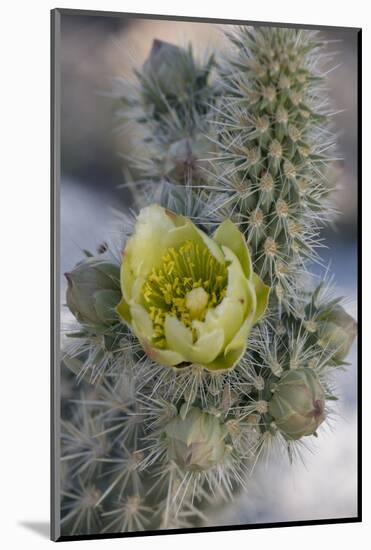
(96,49)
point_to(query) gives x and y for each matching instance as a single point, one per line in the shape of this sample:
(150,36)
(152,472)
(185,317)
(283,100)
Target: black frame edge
(54,274)
(196,19)
(359,270)
(214,529)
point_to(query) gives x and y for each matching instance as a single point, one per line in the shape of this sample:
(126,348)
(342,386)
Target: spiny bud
(184,155)
(94,291)
(195,440)
(298,403)
(336,333)
(168,66)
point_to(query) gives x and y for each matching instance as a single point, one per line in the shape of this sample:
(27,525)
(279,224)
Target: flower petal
(239,301)
(123,310)
(162,356)
(141,322)
(262,297)
(229,235)
(189,232)
(213,247)
(225,362)
(240,338)
(145,247)
(208,347)
(179,338)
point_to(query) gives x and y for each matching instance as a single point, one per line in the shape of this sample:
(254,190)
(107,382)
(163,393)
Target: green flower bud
(189,298)
(337,331)
(195,441)
(170,68)
(298,403)
(94,291)
(185,155)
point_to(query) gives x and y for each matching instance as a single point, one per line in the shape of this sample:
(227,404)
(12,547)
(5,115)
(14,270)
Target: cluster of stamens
(188,282)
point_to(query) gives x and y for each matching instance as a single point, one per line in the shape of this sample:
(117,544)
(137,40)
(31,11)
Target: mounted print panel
(205,210)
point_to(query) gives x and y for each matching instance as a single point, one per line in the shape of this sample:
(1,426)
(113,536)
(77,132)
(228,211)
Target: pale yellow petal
(141,322)
(238,303)
(230,236)
(262,297)
(179,338)
(145,247)
(162,356)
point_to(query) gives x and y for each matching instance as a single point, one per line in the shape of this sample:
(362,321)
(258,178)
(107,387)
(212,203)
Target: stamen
(188,282)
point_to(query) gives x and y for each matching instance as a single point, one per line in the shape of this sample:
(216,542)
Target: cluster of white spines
(275,149)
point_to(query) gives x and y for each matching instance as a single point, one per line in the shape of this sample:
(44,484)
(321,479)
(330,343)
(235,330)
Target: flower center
(196,302)
(188,282)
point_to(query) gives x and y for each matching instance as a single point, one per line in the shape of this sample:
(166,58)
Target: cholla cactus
(199,343)
(276,146)
(170,104)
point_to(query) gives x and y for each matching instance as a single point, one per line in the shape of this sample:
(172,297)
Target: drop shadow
(42,528)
